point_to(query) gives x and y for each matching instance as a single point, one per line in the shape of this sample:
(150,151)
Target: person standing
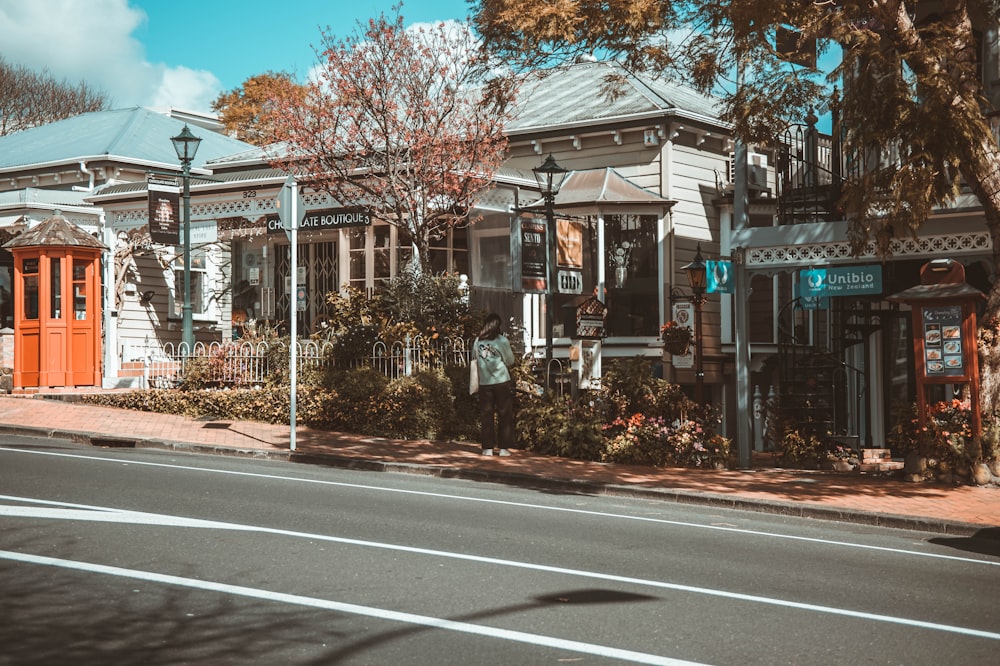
(494,358)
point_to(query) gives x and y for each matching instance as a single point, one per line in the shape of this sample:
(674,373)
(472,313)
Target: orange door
(84,323)
(54,329)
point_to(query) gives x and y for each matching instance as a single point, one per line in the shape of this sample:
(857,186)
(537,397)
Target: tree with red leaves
(407,123)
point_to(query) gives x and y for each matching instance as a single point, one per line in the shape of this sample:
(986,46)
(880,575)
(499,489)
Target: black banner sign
(318,220)
(164,210)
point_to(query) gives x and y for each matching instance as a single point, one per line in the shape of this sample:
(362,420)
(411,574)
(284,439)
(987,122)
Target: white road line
(353,609)
(80,512)
(523,505)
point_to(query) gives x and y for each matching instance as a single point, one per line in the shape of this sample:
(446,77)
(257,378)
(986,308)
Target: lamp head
(550,176)
(186,145)
(696,273)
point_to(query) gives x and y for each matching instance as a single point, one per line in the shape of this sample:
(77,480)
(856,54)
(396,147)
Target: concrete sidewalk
(853,497)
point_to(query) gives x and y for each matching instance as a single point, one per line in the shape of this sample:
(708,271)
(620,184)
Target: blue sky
(183,53)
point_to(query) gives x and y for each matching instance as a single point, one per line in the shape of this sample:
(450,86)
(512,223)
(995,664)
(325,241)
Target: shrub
(414,407)
(558,425)
(357,390)
(463,421)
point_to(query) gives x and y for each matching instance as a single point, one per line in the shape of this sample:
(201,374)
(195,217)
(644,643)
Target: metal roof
(582,93)
(594,187)
(56,231)
(136,135)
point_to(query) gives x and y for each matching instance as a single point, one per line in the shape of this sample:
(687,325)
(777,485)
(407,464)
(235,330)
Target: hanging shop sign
(164,209)
(841,281)
(320,220)
(532,241)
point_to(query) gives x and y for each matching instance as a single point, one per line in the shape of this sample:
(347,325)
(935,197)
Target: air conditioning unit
(756,171)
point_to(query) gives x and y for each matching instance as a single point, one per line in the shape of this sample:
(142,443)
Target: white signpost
(291,210)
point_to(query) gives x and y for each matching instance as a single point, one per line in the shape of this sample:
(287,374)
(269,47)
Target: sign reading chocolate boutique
(321,220)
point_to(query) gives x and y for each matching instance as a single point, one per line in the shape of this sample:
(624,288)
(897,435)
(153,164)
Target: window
(199,283)
(29,275)
(356,238)
(631,265)
(80,290)
(450,252)
(55,288)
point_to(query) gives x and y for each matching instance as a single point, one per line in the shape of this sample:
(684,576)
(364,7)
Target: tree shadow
(984,542)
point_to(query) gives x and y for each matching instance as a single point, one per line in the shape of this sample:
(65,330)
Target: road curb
(778,507)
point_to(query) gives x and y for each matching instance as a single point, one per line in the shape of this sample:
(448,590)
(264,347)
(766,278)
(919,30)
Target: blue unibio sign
(841,281)
(719,277)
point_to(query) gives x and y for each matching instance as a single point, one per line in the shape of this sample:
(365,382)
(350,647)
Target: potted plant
(676,338)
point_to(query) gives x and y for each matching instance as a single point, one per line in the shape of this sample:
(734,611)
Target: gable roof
(580,93)
(135,135)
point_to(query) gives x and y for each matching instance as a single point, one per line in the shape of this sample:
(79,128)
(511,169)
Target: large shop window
(630,269)
(199,281)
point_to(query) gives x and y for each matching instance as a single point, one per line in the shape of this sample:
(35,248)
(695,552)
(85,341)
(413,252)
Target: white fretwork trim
(250,208)
(840,252)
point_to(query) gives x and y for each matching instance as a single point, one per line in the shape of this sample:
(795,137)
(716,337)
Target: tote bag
(474,371)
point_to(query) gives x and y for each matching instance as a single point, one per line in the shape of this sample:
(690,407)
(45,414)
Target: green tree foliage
(29,98)
(413,304)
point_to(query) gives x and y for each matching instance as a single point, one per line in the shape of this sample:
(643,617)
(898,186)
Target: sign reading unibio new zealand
(318,220)
(841,281)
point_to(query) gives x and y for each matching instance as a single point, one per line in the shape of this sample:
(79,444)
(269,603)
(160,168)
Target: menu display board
(943,345)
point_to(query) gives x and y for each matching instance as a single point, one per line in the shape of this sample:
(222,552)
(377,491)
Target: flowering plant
(676,338)
(620,257)
(649,440)
(946,431)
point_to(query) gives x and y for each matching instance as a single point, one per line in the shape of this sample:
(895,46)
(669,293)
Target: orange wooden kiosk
(57,299)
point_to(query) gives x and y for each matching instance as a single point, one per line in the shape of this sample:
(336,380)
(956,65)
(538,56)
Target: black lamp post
(550,177)
(697,277)
(186,145)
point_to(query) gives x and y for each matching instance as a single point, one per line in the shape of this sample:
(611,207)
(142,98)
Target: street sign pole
(293,311)
(291,210)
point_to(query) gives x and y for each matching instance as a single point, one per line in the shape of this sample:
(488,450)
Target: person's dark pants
(498,400)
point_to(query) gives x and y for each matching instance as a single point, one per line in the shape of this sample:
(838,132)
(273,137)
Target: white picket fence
(246,363)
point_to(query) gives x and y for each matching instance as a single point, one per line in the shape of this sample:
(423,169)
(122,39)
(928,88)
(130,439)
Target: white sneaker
(504,452)
(489,452)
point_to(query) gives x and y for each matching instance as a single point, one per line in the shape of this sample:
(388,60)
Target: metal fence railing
(248,363)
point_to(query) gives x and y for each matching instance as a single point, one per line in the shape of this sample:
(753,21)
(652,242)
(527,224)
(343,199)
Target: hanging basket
(676,338)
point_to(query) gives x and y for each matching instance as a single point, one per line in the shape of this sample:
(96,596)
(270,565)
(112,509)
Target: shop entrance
(318,273)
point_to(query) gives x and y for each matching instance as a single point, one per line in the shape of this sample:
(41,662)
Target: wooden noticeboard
(943,316)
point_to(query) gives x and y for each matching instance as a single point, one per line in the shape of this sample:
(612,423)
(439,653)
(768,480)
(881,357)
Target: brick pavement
(869,499)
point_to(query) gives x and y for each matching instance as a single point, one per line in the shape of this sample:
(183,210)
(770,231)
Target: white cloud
(92,41)
(187,89)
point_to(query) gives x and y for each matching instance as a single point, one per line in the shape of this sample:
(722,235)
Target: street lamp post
(186,145)
(550,177)
(697,277)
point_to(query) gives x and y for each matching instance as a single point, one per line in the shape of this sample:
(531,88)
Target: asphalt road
(124,556)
